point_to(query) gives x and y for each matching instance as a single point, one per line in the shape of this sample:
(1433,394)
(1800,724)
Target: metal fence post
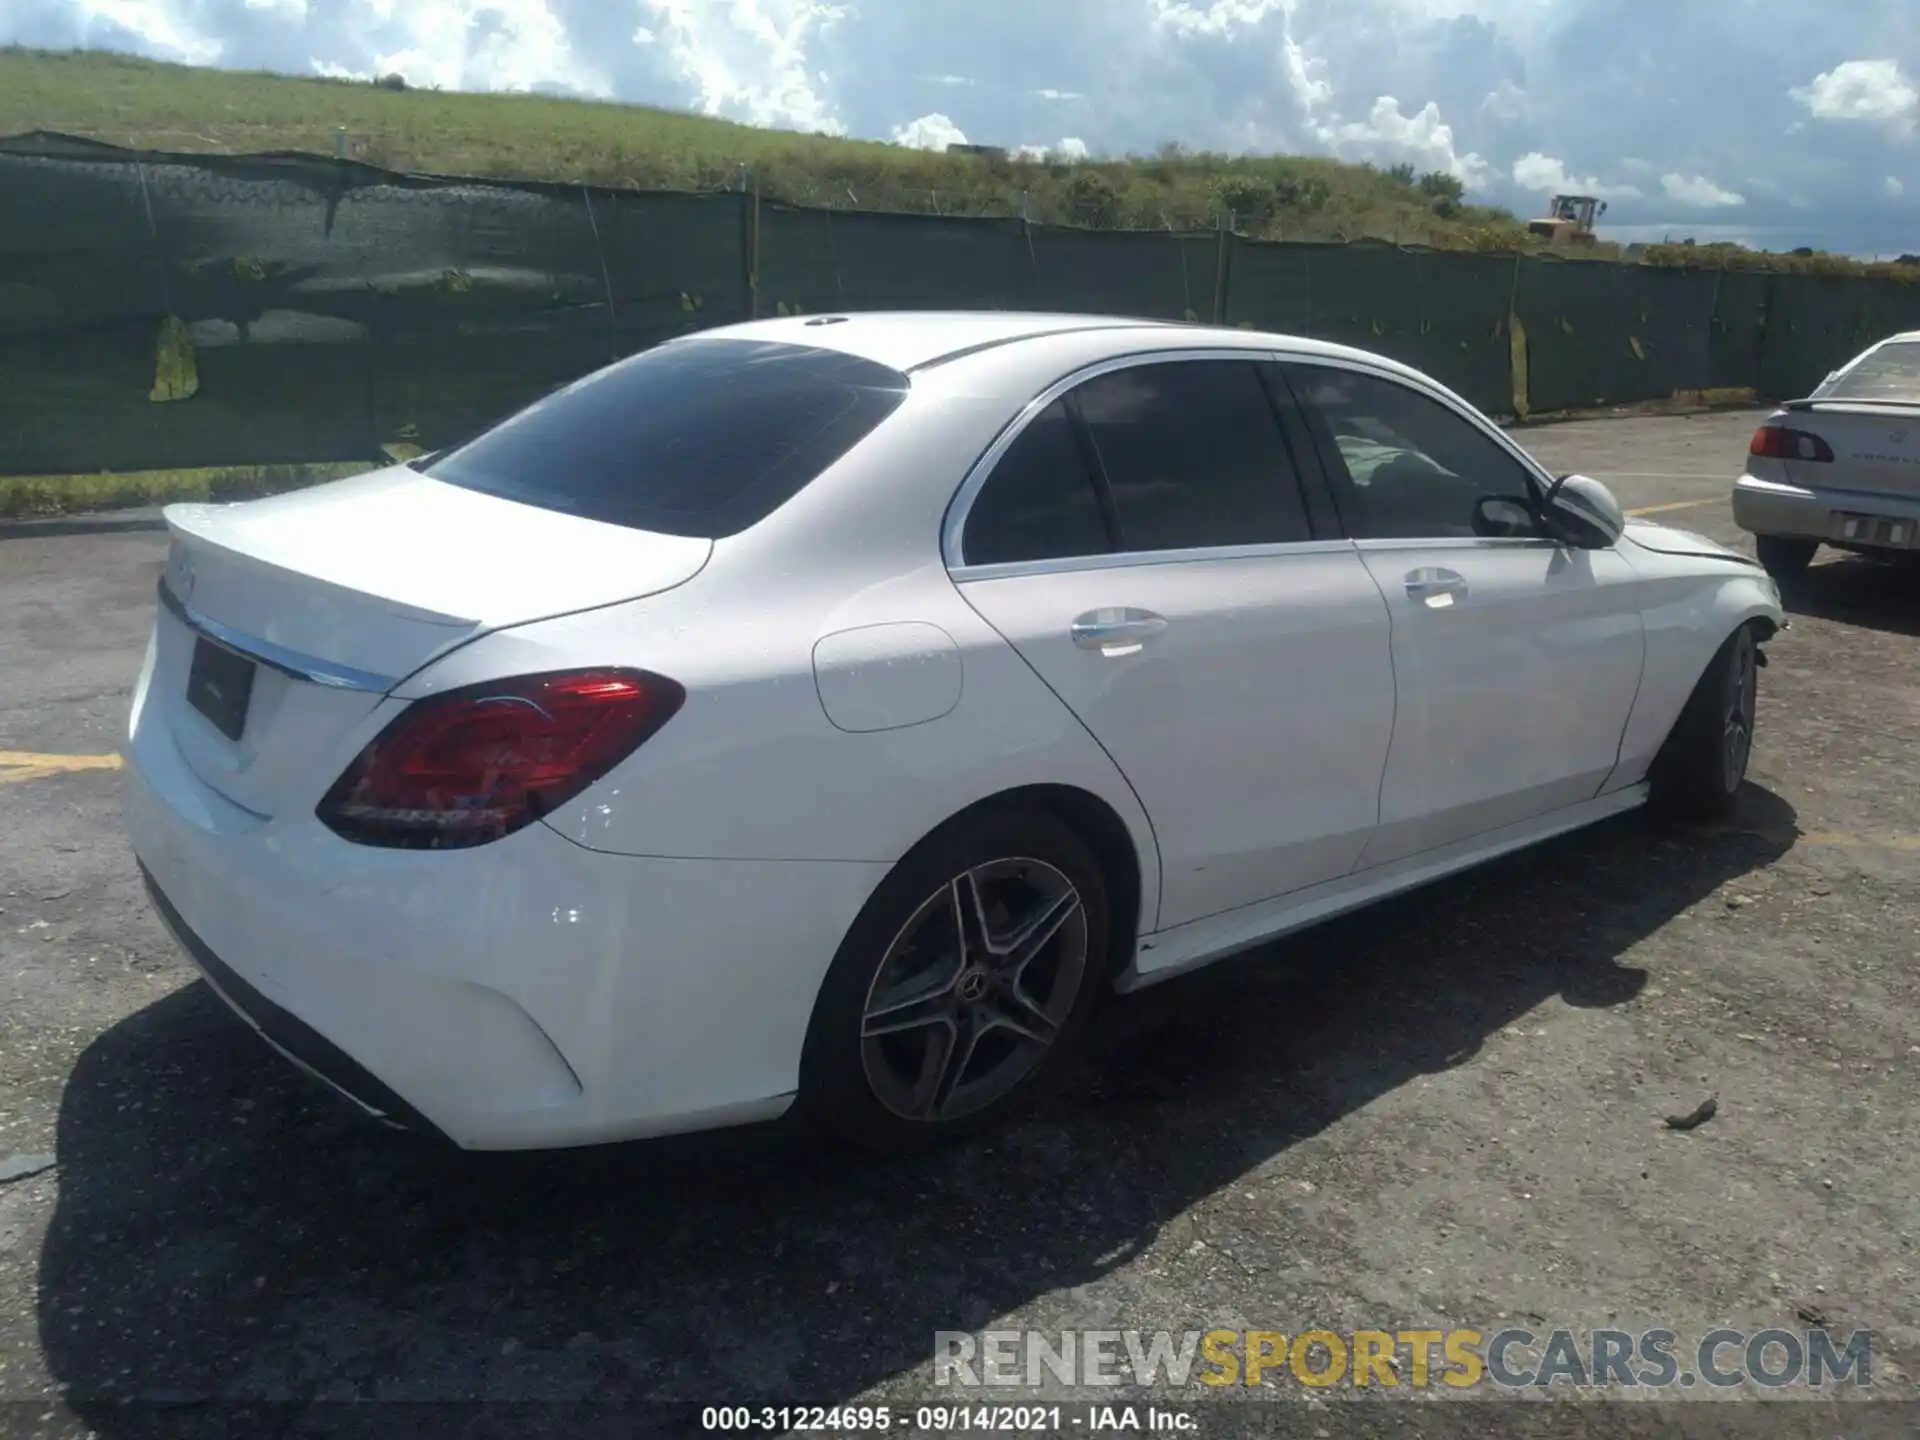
(1223,243)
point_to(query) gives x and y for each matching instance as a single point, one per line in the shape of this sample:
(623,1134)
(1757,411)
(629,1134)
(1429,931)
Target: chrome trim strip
(1130,559)
(1459,542)
(275,657)
(962,503)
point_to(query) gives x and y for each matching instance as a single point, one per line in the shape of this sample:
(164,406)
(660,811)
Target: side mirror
(1583,513)
(1496,517)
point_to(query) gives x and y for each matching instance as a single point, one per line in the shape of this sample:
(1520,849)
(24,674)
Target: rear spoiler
(1870,406)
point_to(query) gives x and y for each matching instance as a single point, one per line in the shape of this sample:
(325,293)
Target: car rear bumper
(524,994)
(1775,507)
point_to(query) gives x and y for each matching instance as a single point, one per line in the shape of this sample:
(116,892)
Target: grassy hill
(146,104)
(150,105)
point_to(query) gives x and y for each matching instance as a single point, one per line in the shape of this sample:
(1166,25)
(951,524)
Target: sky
(1772,122)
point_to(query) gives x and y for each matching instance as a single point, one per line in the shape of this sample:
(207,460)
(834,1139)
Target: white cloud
(1699,191)
(1217,18)
(1870,90)
(1071,149)
(1422,138)
(1059,94)
(929,132)
(1894,188)
(483,45)
(748,60)
(1536,172)
(1507,101)
(168,35)
(331,71)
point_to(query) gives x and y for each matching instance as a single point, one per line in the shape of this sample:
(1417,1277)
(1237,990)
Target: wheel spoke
(1012,1010)
(969,916)
(956,1056)
(932,1005)
(1014,954)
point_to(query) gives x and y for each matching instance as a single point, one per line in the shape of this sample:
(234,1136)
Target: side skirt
(1200,942)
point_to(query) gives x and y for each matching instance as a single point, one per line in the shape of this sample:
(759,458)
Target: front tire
(1784,557)
(961,986)
(1700,769)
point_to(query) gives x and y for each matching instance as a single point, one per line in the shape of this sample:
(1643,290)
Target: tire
(1784,557)
(1700,769)
(907,990)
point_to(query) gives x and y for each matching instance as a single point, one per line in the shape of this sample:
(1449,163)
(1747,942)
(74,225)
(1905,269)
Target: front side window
(1407,466)
(695,437)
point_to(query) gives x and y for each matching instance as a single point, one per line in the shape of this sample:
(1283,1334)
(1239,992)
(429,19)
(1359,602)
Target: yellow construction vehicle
(1570,220)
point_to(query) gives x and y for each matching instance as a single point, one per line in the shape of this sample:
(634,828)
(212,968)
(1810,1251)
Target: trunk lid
(340,592)
(1876,446)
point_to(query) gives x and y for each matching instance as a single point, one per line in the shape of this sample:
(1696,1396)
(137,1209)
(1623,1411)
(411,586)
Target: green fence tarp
(813,261)
(1815,324)
(1739,330)
(1444,314)
(330,307)
(1607,334)
(162,311)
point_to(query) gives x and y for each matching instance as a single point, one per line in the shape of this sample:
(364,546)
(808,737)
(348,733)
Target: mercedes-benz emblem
(1898,437)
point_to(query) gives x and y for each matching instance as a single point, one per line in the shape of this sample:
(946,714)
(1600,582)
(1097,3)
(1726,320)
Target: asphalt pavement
(1447,1112)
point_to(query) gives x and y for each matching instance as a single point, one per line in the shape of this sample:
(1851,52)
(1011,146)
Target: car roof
(908,340)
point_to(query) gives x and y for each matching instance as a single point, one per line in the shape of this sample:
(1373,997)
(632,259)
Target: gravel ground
(1446,1112)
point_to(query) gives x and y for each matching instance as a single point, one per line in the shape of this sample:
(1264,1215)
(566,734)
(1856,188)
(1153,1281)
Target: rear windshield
(696,437)
(1890,373)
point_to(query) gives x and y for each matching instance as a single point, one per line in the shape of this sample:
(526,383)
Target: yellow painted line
(18,765)
(1673,505)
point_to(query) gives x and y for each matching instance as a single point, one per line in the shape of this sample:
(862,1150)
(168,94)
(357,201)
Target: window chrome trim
(961,506)
(1132,559)
(1389,544)
(275,657)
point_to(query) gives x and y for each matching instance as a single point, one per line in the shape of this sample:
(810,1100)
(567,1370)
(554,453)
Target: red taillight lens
(479,763)
(1776,442)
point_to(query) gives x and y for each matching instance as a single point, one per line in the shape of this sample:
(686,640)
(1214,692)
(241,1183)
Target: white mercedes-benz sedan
(1841,467)
(830,711)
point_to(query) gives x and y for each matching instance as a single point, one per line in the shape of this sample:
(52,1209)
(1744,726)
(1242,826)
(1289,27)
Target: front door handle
(1436,588)
(1116,630)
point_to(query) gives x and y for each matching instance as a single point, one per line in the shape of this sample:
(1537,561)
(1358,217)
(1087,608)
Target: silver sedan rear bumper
(1773,507)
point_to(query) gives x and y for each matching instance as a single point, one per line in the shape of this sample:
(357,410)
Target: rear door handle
(1436,588)
(1116,630)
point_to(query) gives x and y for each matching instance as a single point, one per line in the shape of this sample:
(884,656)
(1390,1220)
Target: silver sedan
(1841,467)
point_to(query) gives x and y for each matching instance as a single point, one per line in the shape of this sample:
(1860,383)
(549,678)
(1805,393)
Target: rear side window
(1193,456)
(1889,374)
(697,437)
(1040,502)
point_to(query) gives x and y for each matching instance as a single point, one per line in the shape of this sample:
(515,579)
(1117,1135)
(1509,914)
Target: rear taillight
(1776,442)
(479,763)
